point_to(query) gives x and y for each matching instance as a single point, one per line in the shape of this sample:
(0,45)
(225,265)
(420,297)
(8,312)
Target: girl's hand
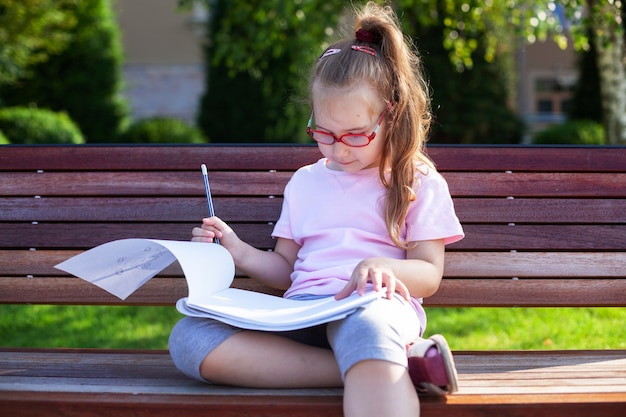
(214,227)
(380,273)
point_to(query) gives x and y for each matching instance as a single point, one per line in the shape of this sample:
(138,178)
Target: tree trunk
(609,42)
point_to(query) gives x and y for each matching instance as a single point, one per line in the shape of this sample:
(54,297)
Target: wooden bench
(546,226)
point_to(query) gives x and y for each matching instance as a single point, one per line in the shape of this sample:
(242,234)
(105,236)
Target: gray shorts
(379,331)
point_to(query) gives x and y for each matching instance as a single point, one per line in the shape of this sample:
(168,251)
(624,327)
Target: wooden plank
(127,209)
(469,210)
(453,292)
(478,237)
(511,382)
(290,157)
(81,235)
(530,210)
(141,183)
(21,404)
(156,158)
(529,158)
(189,183)
(597,265)
(530,293)
(536,184)
(543,237)
(535,264)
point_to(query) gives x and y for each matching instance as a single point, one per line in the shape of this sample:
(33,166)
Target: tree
(31,31)
(538,19)
(605,19)
(471,98)
(258,56)
(586,103)
(85,79)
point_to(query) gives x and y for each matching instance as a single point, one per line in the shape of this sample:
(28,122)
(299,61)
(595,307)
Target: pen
(207,190)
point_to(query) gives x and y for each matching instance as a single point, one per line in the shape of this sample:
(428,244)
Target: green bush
(162,130)
(38,126)
(85,79)
(577,132)
(3,139)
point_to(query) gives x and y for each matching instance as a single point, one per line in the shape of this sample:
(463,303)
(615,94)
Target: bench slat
(141,183)
(486,237)
(291,157)
(157,158)
(128,209)
(88,235)
(187,183)
(457,264)
(524,184)
(469,210)
(529,210)
(452,293)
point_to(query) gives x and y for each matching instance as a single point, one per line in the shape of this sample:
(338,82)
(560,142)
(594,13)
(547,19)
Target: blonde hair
(396,74)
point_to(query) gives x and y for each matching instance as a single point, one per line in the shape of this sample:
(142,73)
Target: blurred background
(224,71)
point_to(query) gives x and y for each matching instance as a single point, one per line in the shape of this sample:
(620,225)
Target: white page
(122,266)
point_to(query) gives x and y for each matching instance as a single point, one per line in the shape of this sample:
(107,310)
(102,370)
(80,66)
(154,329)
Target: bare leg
(262,360)
(380,389)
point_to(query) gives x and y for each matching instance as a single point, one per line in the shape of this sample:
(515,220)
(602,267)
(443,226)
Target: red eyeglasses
(349,139)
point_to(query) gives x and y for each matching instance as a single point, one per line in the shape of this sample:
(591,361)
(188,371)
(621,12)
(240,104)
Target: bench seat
(71,382)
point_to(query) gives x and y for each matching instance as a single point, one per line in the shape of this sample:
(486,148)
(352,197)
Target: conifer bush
(85,79)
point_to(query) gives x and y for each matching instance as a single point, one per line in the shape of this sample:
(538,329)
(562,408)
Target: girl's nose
(340,149)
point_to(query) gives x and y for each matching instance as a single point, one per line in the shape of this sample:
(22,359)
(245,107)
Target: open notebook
(122,266)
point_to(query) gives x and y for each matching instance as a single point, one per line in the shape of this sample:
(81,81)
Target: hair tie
(364,48)
(366,36)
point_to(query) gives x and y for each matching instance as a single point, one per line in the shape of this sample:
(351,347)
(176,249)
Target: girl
(373,213)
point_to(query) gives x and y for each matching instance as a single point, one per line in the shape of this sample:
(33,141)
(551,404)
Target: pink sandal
(431,366)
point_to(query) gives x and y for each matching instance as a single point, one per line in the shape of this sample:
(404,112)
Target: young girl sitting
(372,213)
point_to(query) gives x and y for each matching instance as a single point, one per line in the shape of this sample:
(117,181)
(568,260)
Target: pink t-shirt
(337,219)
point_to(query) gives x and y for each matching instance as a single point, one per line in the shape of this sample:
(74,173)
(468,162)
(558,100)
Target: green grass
(465,329)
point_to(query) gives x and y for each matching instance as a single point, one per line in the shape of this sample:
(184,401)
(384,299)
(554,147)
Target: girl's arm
(271,268)
(419,275)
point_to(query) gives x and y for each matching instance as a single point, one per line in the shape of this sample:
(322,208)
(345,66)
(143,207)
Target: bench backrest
(546,226)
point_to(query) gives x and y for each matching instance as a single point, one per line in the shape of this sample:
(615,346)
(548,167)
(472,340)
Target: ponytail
(380,55)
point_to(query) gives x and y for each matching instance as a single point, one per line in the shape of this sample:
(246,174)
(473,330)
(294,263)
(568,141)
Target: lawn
(465,329)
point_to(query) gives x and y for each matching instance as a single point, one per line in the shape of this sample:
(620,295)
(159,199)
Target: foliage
(3,139)
(162,130)
(85,79)
(259,53)
(38,126)
(258,61)
(30,31)
(586,103)
(578,132)
(501,21)
(470,106)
